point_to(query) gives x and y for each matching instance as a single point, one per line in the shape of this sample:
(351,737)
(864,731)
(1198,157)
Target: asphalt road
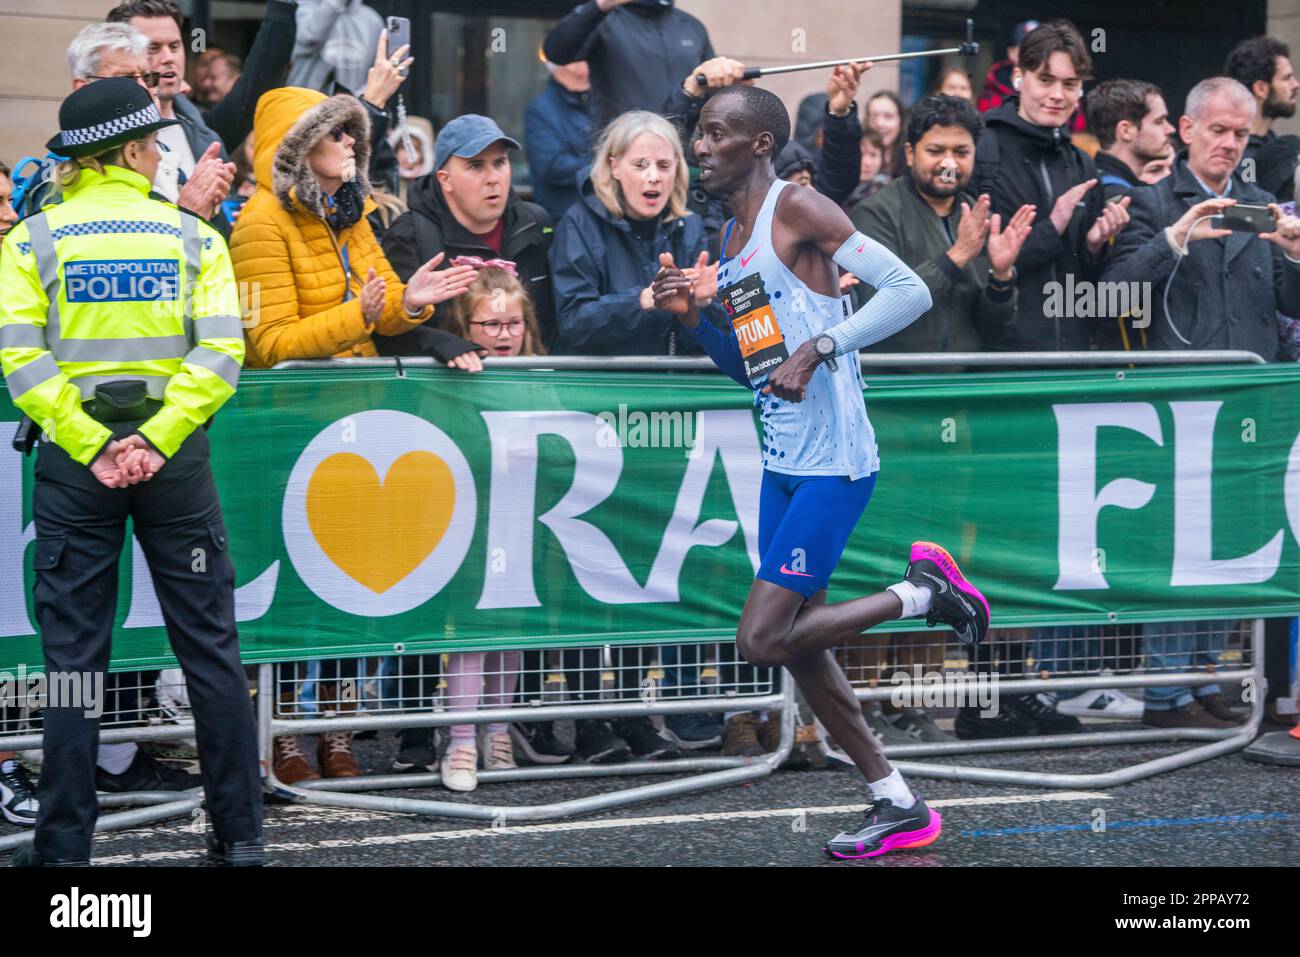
(1227,812)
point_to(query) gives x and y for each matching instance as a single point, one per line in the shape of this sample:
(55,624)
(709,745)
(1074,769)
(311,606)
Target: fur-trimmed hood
(290,121)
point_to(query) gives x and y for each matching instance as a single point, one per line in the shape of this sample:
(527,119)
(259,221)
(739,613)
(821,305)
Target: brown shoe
(1188,716)
(740,737)
(804,753)
(289,761)
(1217,705)
(335,755)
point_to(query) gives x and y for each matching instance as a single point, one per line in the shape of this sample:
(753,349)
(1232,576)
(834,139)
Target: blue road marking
(1120,825)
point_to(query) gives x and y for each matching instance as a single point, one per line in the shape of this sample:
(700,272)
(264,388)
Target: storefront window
(480,66)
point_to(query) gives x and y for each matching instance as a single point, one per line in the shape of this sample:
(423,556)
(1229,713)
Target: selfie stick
(968,48)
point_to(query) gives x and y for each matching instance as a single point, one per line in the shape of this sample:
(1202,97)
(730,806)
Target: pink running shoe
(957,603)
(887,828)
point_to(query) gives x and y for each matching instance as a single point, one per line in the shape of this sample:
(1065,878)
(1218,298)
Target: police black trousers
(80,528)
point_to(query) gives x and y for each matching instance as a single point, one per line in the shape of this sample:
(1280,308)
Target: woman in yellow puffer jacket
(314,280)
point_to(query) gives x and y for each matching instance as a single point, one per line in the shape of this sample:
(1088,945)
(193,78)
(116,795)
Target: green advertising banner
(372,513)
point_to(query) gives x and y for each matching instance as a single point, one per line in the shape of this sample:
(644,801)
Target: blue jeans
(689,673)
(1066,649)
(1182,646)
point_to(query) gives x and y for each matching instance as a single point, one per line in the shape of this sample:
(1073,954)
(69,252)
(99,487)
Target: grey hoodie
(336,43)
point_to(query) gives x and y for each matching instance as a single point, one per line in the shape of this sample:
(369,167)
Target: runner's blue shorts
(804,522)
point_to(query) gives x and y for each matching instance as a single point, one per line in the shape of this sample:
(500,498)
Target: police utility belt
(125,400)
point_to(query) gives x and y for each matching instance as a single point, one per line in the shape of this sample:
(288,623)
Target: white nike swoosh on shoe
(940,583)
(872,830)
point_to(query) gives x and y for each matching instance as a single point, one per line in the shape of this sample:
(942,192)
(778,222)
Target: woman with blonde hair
(606,248)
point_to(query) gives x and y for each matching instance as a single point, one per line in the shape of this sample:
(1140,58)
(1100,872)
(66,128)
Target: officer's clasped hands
(127,461)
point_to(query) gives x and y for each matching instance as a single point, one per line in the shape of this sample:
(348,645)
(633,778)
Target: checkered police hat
(105,114)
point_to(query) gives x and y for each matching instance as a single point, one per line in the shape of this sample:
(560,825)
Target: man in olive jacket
(927,220)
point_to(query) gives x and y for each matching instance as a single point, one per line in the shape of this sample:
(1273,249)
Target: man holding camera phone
(1218,282)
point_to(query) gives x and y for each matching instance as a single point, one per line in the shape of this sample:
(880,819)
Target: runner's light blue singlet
(828,433)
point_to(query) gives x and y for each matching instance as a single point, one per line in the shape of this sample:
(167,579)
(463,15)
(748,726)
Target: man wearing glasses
(103,50)
(228,123)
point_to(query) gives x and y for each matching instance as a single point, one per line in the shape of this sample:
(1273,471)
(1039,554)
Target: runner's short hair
(763,113)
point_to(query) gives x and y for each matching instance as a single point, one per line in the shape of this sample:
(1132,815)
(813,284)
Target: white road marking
(514,830)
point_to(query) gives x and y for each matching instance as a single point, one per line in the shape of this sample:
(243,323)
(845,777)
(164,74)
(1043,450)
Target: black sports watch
(824,346)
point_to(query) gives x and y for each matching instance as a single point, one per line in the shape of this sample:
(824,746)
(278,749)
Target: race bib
(762,345)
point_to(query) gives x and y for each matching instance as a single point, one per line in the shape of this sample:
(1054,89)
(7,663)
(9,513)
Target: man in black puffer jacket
(482,216)
(1025,157)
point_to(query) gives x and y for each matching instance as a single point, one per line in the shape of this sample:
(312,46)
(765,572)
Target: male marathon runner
(779,288)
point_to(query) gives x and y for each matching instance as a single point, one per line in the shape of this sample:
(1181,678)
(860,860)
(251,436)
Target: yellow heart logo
(379,532)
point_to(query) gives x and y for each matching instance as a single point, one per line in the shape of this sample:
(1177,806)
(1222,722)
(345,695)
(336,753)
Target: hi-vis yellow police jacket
(110,284)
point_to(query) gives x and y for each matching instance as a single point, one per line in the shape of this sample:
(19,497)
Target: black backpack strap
(988,161)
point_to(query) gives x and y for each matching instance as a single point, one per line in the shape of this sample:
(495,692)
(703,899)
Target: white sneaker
(1102,703)
(18,797)
(174,702)
(459,768)
(497,750)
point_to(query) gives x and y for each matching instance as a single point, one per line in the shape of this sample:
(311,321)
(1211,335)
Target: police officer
(120,337)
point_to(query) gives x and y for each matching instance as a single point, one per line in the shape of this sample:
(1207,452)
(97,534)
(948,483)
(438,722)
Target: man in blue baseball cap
(466,207)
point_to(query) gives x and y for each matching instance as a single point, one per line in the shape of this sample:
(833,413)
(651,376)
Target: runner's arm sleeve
(210,371)
(901,298)
(721,347)
(36,383)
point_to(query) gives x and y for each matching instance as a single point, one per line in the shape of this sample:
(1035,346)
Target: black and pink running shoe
(887,828)
(957,603)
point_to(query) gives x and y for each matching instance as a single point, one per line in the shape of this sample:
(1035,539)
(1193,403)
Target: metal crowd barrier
(617,688)
(872,360)
(378,710)
(1074,656)
(721,771)
(132,714)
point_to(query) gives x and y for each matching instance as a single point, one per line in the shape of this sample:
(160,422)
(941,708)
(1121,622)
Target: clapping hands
(209,183)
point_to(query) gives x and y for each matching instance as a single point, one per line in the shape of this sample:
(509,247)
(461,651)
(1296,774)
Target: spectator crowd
(368,233)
